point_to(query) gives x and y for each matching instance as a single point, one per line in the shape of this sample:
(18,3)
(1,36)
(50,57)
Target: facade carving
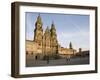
(46,43)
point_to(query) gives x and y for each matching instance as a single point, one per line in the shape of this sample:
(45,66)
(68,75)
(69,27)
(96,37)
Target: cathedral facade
(46,43)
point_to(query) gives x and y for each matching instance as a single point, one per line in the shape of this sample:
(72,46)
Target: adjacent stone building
(46,43)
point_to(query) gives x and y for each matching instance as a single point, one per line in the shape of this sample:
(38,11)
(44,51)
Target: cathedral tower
(38,31)
(46,41)
(70,46)
(54,42)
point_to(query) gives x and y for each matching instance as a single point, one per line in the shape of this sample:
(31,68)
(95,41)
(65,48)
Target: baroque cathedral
(46,43)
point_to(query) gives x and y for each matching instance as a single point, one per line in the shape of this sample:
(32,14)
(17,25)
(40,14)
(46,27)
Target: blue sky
(69,28)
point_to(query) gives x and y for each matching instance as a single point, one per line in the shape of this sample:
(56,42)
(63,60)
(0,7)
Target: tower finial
(53,25)
(52,22)
(39,20)
(70,45)
(47,29)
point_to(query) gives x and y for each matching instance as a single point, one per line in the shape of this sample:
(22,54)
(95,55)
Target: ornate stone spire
(47,30)
(38,22)
(38,31)
(53,26)
(70,45)
(46,41)
(53,30)
(54,42)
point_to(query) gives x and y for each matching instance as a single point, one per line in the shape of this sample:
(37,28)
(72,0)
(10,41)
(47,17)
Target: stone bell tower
(46,41)
(54,42)
(38,31)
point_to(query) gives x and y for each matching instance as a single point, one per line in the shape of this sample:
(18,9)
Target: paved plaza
(64,61)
